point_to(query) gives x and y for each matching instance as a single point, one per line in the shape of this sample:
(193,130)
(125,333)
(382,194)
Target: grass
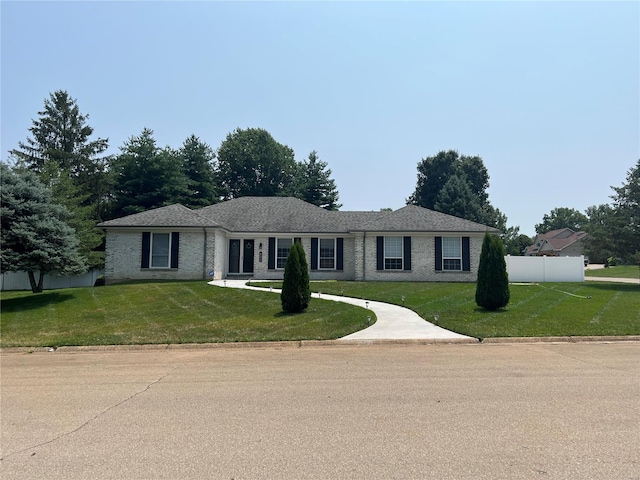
(165,312)
(549,309)
(622,271)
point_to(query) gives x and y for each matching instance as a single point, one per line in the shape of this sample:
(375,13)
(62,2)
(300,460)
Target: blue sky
(547,93)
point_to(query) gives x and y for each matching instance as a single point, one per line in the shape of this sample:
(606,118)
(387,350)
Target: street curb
(563,339)
(316,343)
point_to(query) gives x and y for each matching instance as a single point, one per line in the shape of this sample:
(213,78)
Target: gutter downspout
(364,257)
(204,257)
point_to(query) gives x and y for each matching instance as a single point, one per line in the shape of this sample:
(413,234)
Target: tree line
(62,165)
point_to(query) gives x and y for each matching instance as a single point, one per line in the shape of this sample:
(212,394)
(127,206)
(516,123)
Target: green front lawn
(546,309)
(622,271)
(165,312)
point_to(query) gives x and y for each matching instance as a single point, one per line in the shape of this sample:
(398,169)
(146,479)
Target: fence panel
(545,269)
(20,280)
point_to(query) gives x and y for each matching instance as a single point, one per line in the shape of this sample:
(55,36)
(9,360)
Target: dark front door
(247,262)
(234,256)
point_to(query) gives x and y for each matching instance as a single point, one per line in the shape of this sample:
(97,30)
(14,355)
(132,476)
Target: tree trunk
(36,288)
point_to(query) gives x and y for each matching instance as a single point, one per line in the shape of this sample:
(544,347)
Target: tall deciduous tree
(562,218)
(146,176)
(314,183)
(251,162)
(34,235)
(492,289)
(456,198)
(626,203)
(197,162)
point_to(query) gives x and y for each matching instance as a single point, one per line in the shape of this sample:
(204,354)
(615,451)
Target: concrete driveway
(462,411)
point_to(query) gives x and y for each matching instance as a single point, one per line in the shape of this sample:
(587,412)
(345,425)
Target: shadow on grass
(33,302)
(615,287)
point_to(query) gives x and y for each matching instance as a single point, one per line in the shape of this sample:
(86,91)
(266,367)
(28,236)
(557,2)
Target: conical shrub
(296,293)
(492,289)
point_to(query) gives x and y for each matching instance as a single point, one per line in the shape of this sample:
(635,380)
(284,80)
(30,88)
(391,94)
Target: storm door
(247,254)
(241,261)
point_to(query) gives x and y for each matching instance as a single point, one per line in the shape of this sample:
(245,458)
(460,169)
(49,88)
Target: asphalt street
(456,411)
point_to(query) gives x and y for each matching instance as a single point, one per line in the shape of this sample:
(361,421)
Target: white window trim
(384,263)
(277,257)
(451,258)
(163,267)
(335,253)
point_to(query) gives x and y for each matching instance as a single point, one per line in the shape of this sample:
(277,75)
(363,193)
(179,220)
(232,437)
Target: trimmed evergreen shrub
(296,292)
(492,289)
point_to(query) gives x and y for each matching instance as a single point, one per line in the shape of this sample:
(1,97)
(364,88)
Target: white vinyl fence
(545,269)
(20,280)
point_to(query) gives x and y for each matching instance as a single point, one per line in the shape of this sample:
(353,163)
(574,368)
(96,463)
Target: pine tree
(492,289)
(146,176)
(197,162)
(314,183)
(34,235)
(296,293)
(60,149)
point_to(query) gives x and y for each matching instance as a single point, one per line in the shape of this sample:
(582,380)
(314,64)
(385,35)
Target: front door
(241,261)
(247,253)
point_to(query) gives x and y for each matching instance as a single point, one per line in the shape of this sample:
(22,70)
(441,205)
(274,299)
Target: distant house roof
(292,215)
(554,240)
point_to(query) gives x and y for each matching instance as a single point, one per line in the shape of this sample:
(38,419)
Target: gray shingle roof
(175,215)
(271,215)
(417,219)
(292,215)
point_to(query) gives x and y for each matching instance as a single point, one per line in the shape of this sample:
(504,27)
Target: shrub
(492,289)
(296,292)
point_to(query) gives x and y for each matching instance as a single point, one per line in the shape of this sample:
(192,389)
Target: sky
(547,93)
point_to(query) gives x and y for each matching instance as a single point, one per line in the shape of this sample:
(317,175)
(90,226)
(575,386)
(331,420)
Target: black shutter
(146,249)
(175,248)
(271,262)
(466,256)
(407,253)
(379,253)
(340,254)
(314,254)
(438,254)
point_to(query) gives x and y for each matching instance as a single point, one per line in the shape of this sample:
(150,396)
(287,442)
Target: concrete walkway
(393,322)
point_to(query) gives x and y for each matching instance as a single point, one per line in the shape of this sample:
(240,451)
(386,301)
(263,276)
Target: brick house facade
(251,237)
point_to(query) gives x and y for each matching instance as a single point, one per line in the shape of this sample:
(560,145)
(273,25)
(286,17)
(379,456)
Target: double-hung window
(160,250)
(393,253)
(327,260)
(283,246)
(452,253)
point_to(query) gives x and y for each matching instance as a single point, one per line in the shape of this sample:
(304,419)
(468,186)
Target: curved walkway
(393,322)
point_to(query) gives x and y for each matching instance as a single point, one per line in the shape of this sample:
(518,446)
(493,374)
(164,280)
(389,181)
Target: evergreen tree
(60,150)
(492,289)
(456,198)
(197,162)
(296,293)
(34,235)
(314,183)
(146,176)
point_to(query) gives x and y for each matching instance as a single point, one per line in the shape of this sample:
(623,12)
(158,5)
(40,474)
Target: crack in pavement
(95,417)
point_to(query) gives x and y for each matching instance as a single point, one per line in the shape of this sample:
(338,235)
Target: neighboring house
(563,242)
(251,237)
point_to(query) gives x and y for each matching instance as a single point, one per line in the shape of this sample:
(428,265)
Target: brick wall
(124,252)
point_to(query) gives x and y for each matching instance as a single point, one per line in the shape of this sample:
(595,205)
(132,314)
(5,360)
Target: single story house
(250,237)
(563,242)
